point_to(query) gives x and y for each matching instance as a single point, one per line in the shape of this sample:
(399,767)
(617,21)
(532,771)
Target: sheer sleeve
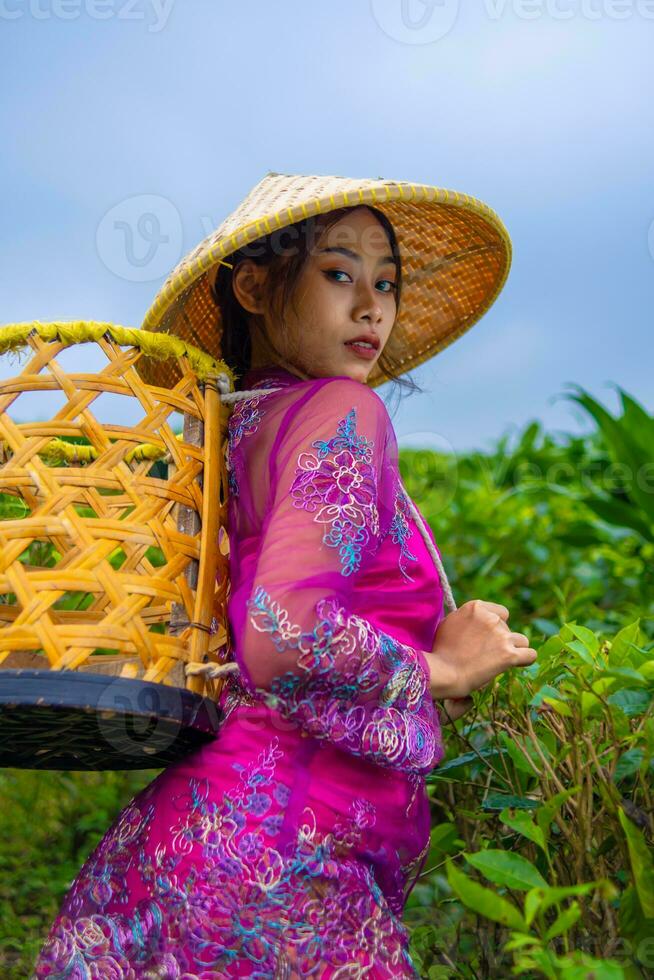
(303,649)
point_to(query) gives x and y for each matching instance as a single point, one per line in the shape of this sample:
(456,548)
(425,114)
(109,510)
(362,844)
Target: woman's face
(346,289)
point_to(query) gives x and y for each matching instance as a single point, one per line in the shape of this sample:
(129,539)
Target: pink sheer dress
(286,847)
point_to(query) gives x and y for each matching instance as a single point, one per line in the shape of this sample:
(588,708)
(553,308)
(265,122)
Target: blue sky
(541,108)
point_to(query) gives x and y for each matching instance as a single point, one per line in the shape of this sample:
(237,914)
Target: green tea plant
(552,801)
(629,439)
(546,792)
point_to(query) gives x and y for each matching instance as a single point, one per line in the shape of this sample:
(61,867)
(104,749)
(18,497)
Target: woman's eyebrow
(386,260)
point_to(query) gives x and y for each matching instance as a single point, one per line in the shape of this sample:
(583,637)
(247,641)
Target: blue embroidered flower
(400,530)
(244,421)
(259,803)
(339,485)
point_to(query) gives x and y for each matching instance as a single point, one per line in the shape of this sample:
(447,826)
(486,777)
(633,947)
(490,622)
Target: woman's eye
(340,272)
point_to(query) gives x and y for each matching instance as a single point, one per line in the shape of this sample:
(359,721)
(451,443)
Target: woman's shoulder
(296,408)
(335,393)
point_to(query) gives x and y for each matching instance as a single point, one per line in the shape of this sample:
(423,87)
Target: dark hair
(280,284)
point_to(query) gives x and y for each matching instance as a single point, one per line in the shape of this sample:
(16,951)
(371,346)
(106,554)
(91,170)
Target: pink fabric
(287,846)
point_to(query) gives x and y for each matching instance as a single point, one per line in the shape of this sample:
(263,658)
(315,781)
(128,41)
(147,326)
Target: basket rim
(157,345)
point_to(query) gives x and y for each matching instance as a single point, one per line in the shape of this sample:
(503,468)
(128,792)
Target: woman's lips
(368,353)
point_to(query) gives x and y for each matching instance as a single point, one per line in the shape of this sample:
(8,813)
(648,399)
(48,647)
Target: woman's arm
(300,645)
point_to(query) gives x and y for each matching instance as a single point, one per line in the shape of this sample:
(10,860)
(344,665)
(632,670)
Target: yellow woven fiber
(58,451)
(159,346)
(149,553)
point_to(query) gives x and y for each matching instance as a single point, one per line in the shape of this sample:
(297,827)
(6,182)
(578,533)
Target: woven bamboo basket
(114,552)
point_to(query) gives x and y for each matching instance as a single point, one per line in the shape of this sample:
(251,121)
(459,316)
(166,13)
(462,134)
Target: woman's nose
(368,302)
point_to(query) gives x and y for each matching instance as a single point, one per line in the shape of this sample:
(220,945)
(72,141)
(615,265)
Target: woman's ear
(248,282)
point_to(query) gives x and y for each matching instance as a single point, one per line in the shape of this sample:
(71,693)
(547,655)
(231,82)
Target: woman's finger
(454,708)
(520,640)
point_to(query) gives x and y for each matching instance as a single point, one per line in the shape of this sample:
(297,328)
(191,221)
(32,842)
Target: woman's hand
(473,645)
(454,708)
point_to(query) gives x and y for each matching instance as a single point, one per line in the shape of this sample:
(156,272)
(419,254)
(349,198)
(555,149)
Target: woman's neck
(266,356)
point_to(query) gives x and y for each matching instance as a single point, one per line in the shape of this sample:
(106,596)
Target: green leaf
(545,814)
(619,514)
(523,823)
(443,839)
(519,940)
(545,691)
(564,921)
(631,920)
(552,896)
(517,756)
(576,646)
(604,684)
(587,637)
(642,864)
(638,422)
(533,898)
(628,764)
(506,868)
(622,447)
(582,966)
(546,626)
(466,759)
(623,643)
(482,900)
(588,702)
(551,648)
(560,707)
(630,702)
(443,836)
(627,674)
(497,801)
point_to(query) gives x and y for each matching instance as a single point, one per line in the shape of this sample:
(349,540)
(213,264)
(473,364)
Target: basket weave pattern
(95,525)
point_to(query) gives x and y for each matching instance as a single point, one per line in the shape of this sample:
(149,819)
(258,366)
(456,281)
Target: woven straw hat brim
(455,252)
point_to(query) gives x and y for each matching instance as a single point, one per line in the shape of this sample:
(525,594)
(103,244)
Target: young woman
(286,848)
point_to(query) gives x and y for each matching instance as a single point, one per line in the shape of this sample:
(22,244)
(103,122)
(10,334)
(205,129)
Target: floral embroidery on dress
(400,529)
(343,659)
(339,482)
(228,895)
(244,421)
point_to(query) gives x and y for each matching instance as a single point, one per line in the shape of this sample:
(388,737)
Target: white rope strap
(212,670)
(447,590)
(236,396)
